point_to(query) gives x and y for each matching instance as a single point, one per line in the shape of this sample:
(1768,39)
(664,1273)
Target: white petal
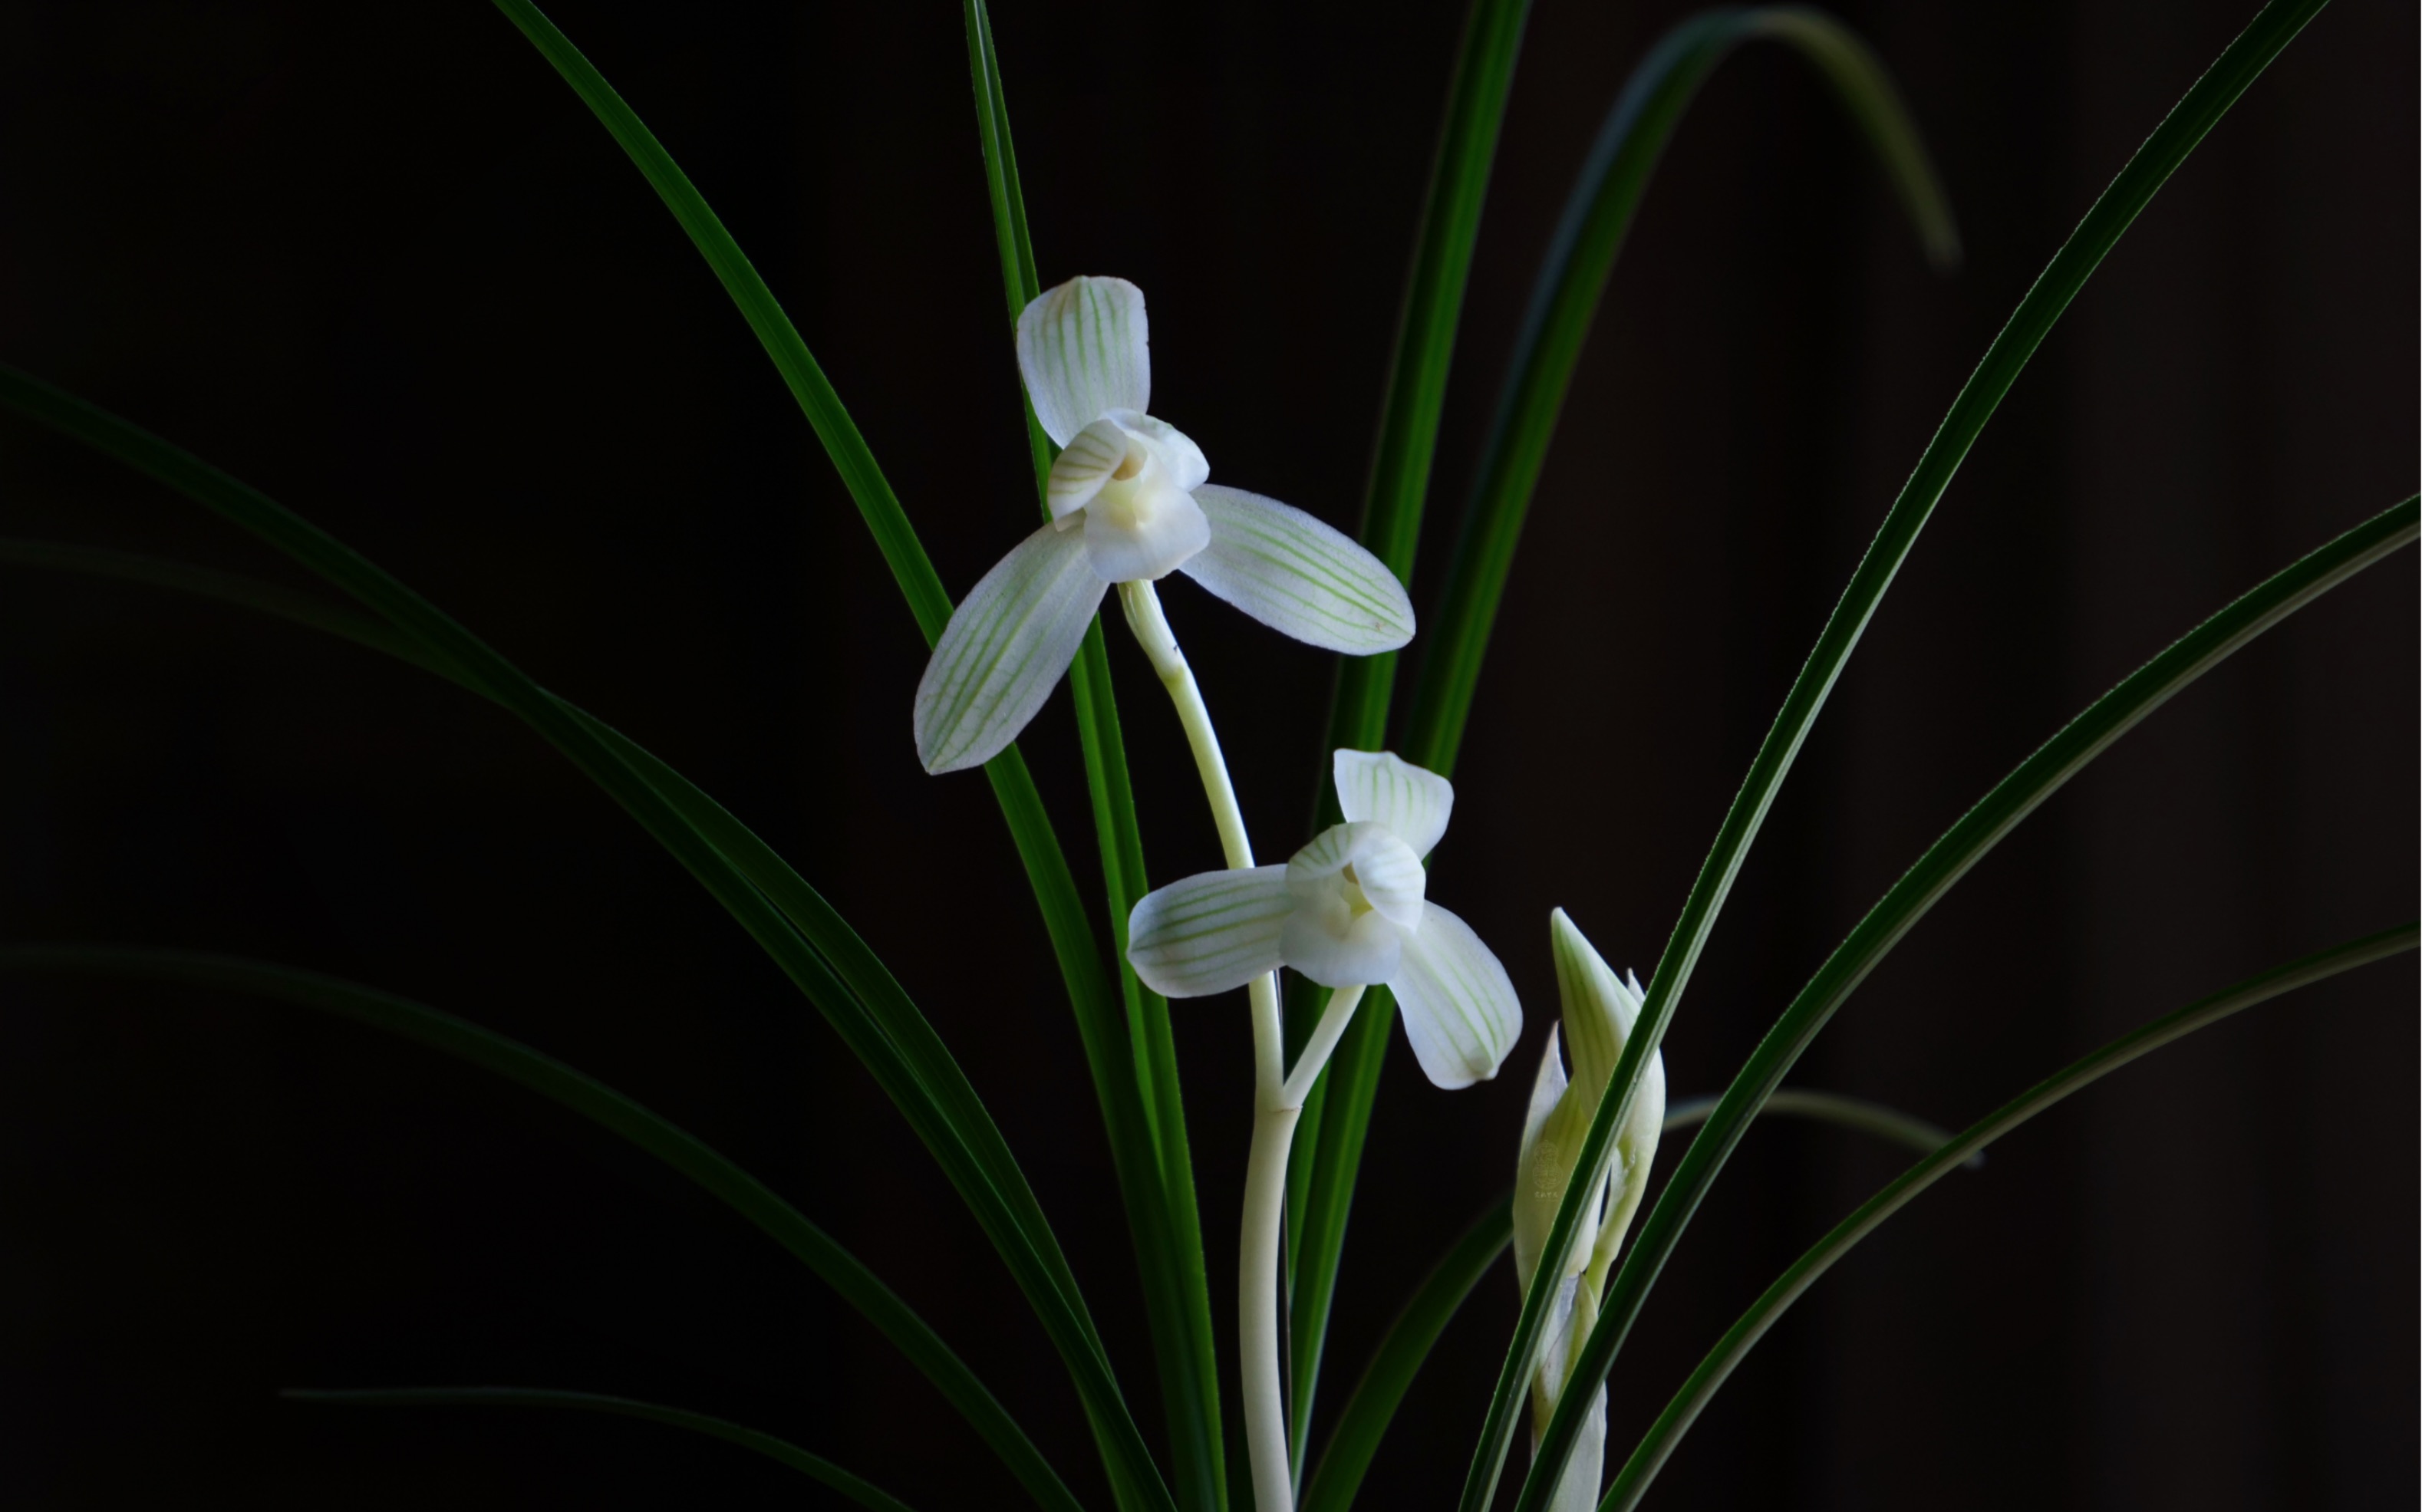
(1188,467)
(1004,650)
(1209,933)
(1148,536)
(1389,873)
(1340,950)
(1085,352)
(1092,454)
(1578,1490)
(1385,788)
(1298,576)
(1557,1347)
(1459,1008)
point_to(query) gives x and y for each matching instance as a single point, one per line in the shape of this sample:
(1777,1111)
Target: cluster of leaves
(1124,1026)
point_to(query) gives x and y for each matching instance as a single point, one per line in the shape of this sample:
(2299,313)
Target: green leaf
(1162,1212)
(1935,873)
(1400,1356)
(1598,216)
(815,1466)
(1426,333)
(602,1105)
(880,507)
(1564,302)
(1329,1141)
(1631,1482)
(1047,867)
(885,1031)
(229,588)
(919,1048)
(2108,217)
(1855,1113)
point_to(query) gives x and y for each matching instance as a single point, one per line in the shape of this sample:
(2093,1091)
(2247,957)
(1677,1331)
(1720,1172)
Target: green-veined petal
(1459,1007)
(1381,786)
(1298,575)
(1079,471)
(1005,650)
(1211,933)
(1085,350)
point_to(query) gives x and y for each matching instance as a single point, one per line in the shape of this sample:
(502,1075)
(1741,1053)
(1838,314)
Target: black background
(378,260)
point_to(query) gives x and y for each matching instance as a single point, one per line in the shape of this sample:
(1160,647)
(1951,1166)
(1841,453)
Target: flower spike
(1131,501)
(1348,909)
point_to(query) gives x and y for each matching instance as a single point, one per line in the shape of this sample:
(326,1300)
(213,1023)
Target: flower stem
(1159,644)
(1278,1099)
(1333,1020)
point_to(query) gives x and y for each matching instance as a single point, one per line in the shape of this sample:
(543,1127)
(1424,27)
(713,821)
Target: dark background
(378,260)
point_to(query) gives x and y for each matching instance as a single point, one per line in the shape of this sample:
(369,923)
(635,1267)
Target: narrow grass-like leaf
(1046,868)
(816,1466)
(1328,1141)
(1564,302)
(880,507)
(601,1104)
(1935,873)
(1399,1358)
(1854,1113)
(228,588)
(1631,1482)
(2110,215)
(1598,216)
(832,935)
(1426,335)
(1162,1213)
(914,1070)
(1320,1195)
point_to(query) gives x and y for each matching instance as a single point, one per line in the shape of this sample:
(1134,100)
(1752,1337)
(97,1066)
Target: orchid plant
(1127,499)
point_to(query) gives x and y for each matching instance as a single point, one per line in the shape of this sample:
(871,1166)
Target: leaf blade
(865,1494)
(604,1106)
(1933,874)
(1399,1358)
(1995,372)
(969,1151)
(1967,1148)
(1166,1222)
(1596,222)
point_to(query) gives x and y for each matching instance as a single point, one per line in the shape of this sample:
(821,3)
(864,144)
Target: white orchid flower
(1131,501)
(1349,910)
(1599,1011)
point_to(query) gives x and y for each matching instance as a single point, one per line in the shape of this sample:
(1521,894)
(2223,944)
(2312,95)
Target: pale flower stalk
(1349,911)
(1599,1011)
(1131,501)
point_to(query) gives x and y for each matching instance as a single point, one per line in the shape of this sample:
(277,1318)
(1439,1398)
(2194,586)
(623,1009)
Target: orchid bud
(1599,1011)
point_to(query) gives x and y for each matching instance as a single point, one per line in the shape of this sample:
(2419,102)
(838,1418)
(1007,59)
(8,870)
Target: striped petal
(1210,933)
(1381,786)
(1298,575)
(1085,350)
(1091,455)
(1600,1006)
(1004,649)
(1459,1008)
